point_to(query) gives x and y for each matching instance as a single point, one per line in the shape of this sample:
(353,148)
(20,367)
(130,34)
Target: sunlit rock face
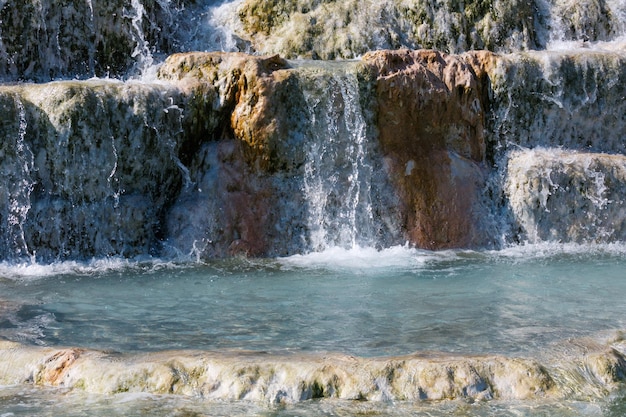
(285,158)
(399,150)
(346,29)
(244,122)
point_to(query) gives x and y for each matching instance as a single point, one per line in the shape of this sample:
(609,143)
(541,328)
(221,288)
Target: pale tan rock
(593,372)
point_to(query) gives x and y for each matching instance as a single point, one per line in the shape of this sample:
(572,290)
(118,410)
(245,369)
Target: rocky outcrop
(240,154)
(345,29)
(252,97)
(89,168)
(429,127)
(442,128)
(45,40)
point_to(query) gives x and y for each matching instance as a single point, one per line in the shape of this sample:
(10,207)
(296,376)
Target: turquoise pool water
(524,302)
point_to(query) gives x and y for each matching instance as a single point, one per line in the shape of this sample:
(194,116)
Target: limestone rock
(572,99)
(88,168)
(346,29)
(429,128)
(253,92)
(568,196)
(45,40)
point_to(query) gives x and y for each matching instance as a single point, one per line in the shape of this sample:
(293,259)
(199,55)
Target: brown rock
(430,124)
(430,120)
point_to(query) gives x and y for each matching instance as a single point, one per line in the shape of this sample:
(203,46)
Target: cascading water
(339,205)
(584,22)
(142,52)
(94,162)
(567,196)
(214,227)
(570,100)
(18,166)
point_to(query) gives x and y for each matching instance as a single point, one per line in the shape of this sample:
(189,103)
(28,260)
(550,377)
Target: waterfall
(166,164)
(557,133)
(250,204)
(567,196)
(215,29)
(337,179)
(89,170)
(574,23)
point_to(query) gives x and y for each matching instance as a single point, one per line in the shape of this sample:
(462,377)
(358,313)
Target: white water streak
(142,48)
(21,189)
(340,210)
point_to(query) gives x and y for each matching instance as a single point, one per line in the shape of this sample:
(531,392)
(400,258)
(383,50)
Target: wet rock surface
(293,378)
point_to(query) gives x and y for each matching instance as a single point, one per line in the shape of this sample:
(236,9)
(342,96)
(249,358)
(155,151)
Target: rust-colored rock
(56,366)
(430,121)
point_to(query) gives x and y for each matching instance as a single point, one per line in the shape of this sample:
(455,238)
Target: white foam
(363,259)
(542,250)
(616,45)
(34,270)
(356,260)
(367,259)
